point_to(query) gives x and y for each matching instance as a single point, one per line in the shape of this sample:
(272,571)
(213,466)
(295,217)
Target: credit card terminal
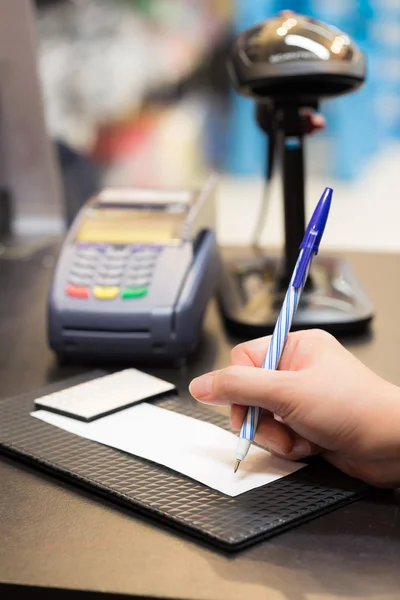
(134,276)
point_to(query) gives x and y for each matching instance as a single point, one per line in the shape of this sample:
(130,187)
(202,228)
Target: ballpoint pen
(308,249)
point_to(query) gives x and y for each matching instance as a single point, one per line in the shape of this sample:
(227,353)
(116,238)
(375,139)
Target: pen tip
(237,463)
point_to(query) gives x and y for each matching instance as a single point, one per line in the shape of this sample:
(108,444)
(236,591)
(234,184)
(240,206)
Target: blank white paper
(194,448)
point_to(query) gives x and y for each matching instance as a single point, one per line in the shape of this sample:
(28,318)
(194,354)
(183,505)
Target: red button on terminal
(77,291)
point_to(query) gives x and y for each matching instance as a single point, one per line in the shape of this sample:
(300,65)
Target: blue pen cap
(313,235)
(318,220)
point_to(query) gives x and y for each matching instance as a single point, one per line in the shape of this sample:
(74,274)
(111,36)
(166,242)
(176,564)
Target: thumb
(276,391)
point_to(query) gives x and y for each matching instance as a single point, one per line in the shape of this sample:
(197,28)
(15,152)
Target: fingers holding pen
(280,439)
(276,391)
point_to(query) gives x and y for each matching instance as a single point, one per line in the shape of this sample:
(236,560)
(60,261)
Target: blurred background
(136,92)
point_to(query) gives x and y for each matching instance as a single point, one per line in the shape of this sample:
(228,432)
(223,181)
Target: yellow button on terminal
(104,292)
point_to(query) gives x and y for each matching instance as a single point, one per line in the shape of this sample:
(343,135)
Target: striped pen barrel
(308,249)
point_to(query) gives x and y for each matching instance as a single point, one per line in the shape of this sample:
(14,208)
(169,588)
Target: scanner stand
(253,288)
(250,299)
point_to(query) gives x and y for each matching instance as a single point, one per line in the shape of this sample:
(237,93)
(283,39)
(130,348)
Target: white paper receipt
(104,395)
(194,448)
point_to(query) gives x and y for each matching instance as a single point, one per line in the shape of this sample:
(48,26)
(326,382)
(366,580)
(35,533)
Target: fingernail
(301,447)
(274,447)
(201,387)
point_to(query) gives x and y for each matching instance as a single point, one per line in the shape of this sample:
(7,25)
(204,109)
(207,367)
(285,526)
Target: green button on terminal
(133,292)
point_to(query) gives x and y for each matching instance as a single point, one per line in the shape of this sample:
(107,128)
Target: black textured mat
(228,523)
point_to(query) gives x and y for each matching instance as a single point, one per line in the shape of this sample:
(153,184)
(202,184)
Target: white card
(194,448)
(104,395)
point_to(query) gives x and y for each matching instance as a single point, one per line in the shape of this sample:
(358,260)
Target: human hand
(321,400)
